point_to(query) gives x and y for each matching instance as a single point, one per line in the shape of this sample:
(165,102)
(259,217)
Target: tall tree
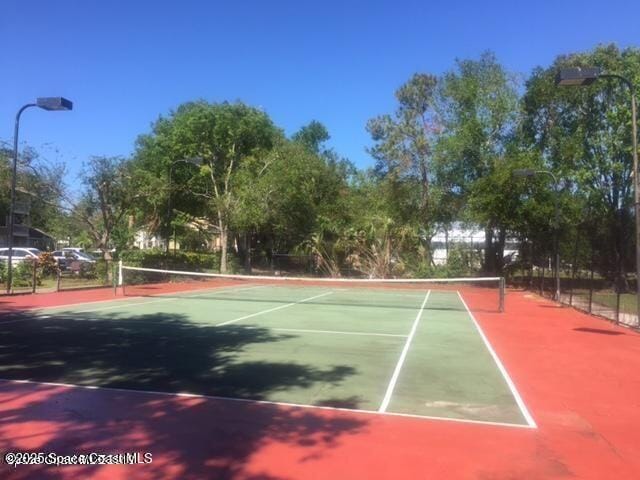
(224,136)
(583,134)
(106,199)
(478,108)
(312,136)
(403,145)
(40,181)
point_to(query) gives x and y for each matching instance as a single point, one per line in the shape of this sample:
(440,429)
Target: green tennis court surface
(413,351)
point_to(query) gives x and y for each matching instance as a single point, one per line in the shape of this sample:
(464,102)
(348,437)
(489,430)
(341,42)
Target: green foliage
(404,143)
(22,274)
(38,183)
(225,137)
(312,136)
(583,134)
(48,265)
(107,198)
(477,103)
(187,261)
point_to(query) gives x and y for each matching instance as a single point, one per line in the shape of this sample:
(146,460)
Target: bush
(48,265)
(188,261)
(461,262)
(22,273)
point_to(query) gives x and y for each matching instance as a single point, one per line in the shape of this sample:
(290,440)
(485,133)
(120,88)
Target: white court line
(269,402)
(179,297)
(262,312)
(403,355)
(514,391)
(335,332)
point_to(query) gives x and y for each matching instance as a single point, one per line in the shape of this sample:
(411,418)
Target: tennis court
(406,349)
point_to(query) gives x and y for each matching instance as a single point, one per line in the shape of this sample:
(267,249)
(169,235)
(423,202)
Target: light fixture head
(54,103)
(577,76)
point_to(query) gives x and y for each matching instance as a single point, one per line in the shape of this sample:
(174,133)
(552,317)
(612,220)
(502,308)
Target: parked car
(85,257)
(74,261)
(61,258)
(73,249)
(19,254)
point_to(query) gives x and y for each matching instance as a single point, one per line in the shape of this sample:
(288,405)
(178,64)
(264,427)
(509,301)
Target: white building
(468,238)
(144,241)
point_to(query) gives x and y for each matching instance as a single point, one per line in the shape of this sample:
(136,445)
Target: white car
(19,254)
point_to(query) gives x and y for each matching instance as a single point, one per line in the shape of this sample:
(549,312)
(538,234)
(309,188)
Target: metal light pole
(46,103)
(193,161)
(529,173)
(586,76)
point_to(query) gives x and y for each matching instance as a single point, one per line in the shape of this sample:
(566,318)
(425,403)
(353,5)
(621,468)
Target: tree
(583,135)
(312,136)
(477,102)
(106,199)
(282,195)
(224,136)
(38,179)
(403,151)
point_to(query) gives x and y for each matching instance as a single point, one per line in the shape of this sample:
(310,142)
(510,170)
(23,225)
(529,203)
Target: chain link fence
(583,286)
(40,277)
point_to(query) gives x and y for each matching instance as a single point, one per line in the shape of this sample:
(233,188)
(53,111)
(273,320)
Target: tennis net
(477,293)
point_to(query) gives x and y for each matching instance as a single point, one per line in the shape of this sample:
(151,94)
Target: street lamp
(46,103)
(586,76)
(193,161)
(530,173)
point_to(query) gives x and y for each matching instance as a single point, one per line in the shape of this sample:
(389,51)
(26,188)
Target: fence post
(617,306)
(542,281)
(591,289)
(58,278)
(502,294)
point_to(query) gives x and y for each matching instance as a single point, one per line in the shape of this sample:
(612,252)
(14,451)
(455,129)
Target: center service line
(403,355)
(273,309)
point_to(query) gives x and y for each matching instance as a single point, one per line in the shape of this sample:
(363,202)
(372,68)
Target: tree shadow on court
(192,437)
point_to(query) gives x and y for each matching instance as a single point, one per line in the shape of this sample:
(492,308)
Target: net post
(114,279)
(120,282)
(502,293)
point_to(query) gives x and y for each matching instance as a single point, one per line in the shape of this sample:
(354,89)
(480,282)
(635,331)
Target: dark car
(71,260)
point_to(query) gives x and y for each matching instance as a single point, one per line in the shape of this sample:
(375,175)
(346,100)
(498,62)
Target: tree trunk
(489,256)
(499,255)
(246,241)
(223,247)
(446,244)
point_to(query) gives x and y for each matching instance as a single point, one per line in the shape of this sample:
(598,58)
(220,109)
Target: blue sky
(124,63)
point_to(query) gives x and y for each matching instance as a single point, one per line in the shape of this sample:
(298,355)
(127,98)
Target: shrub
(188,261)
(48,265)
(22,273)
